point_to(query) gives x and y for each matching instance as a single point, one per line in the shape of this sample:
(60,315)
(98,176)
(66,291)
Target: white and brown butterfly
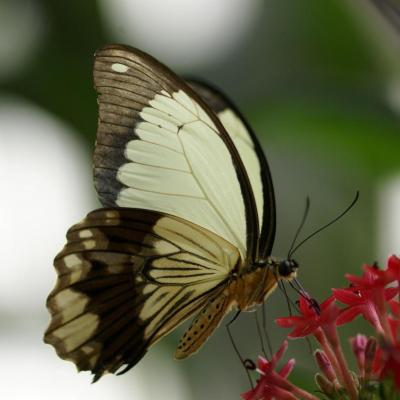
(188,226)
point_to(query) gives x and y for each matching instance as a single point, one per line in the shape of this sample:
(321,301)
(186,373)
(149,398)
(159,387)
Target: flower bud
(370,351)
(325,365)
(358,345)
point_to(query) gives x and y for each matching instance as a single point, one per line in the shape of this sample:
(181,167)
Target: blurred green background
(319,81)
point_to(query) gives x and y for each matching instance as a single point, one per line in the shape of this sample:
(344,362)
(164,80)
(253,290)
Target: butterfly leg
(263,333)
(242,360)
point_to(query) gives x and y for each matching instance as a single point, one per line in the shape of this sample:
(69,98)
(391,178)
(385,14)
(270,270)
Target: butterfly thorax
(253,287)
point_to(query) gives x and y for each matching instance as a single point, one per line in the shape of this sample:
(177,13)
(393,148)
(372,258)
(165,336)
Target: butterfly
(187,227)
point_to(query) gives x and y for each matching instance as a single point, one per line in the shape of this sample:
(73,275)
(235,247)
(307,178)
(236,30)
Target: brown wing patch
(126,278)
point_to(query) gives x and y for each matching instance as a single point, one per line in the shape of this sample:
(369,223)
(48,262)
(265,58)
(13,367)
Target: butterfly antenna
(328,224)
(303,220)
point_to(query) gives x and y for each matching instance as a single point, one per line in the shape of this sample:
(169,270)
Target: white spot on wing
(112,214)
(121,68)
(72,260)
(85,234)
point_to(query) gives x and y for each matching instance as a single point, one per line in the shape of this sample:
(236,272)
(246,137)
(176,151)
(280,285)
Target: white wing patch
(121,68)
(181,166)
(244,144)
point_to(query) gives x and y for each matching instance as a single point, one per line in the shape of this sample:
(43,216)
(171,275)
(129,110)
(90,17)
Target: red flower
(375,277)
(394,319)
(274,385)
(362,301)
(310,320)
(387,363)
(368,295)
(393,270)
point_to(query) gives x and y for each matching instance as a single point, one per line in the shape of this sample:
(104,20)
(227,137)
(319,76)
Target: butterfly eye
(287,267)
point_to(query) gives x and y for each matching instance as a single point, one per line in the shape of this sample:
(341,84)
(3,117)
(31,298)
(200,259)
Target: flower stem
(289,386)
(333,339)
(304,395)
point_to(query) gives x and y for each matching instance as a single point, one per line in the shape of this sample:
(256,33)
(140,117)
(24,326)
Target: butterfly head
(287,269)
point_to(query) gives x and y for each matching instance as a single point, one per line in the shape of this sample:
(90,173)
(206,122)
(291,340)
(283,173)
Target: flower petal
(394,267)
(348,314)
(287,368)
(348,296)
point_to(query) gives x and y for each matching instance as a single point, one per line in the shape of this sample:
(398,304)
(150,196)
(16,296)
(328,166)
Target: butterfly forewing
(253,159)
(160,147)
(126,278)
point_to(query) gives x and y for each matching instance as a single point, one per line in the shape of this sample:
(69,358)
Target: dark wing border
(218,101)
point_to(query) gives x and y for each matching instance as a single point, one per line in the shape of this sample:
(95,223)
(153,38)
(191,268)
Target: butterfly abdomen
(203,326)
(242,293)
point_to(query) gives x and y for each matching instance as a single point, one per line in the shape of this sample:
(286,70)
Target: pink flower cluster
(375,296)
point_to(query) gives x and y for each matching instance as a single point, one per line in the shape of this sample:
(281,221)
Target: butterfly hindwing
(253,159)
(126,278)
(160,147)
